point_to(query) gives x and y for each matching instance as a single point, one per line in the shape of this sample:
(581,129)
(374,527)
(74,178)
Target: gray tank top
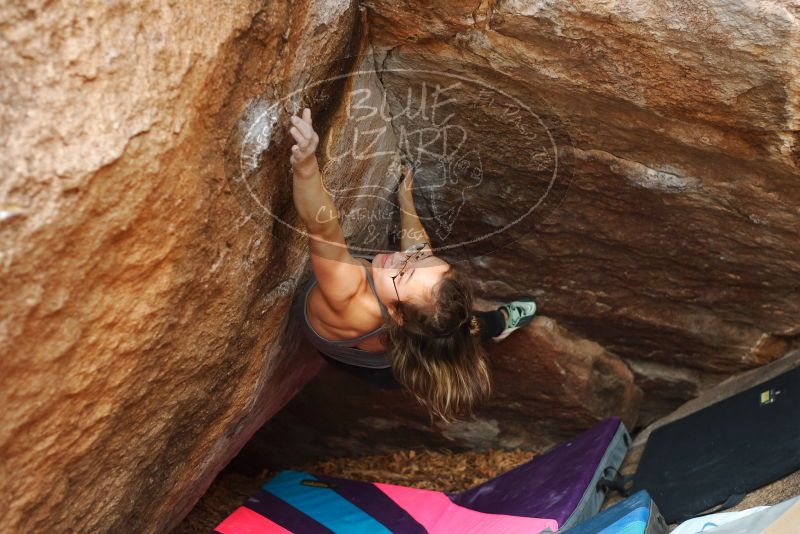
(344,350)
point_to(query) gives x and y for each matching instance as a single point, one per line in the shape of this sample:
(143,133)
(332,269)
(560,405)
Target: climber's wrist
(307,169)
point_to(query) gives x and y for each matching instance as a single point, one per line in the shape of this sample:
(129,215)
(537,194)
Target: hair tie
(474,326)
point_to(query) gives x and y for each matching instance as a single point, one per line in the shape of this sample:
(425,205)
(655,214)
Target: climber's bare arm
(413,231)
(338,274)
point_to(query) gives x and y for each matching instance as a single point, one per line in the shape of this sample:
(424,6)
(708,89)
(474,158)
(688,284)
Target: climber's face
(408,276)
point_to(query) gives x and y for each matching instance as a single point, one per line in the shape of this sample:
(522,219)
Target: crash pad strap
(322,504)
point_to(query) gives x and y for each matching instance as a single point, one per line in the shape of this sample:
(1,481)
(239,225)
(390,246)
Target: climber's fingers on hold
(301,139)
(303,126)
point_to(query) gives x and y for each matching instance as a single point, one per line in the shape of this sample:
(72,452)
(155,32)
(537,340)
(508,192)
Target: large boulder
(144,295)
(633,167)
(671,237)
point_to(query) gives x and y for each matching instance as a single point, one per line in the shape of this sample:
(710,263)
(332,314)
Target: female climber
(401,319)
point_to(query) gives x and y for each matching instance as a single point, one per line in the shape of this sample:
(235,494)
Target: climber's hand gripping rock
(303,158)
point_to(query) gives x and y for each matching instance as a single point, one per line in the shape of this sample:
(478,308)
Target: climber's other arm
(413,231)
(338,274)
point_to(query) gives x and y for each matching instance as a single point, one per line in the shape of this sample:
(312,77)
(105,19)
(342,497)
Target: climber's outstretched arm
(413,231)
(338,274)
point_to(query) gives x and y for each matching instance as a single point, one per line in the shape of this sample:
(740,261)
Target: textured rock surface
(548,385)
(144,297)
(142,310)
(676,243)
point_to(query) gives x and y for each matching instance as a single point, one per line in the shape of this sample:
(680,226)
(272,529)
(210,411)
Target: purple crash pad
(560,484)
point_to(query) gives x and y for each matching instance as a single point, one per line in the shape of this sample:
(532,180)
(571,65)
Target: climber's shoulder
(341,278)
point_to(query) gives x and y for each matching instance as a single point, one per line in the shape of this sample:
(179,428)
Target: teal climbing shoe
(520,313)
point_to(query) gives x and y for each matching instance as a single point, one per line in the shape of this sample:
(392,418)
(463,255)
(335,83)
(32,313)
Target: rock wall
(664,224)
(149,262)
(143,301)
(673,239)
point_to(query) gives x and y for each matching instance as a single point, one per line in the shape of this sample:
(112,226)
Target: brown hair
(435,351)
